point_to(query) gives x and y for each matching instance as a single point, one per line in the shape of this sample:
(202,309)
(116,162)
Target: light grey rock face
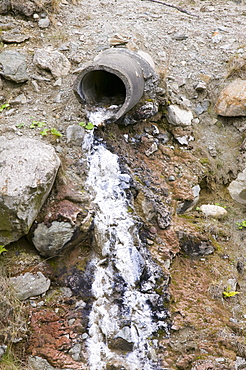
(49,241)
(28,169)
(237,188)
(178,116)
(14,66)
(29,285)
(52,60)
(232,99)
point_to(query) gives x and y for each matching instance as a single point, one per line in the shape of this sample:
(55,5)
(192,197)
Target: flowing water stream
(125,313)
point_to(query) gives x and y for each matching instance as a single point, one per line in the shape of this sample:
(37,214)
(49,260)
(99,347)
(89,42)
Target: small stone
(202,107)
(201,86)
(75,352)
(10,38)
(152,149)
(178,116)
(44,22)
(75,135)
(184,140)
(171,178)
(179,37)
(118,39)
(210,210)
(20,99)
(232,99)
(29,285)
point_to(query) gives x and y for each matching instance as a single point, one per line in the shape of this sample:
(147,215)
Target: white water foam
(98,116)
(118,268)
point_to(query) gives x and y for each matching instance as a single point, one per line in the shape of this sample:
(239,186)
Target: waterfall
(121,324)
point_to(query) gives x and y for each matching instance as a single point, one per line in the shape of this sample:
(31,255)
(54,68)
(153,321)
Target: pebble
(201,86)
(171,178)
(152,149)
(44,22)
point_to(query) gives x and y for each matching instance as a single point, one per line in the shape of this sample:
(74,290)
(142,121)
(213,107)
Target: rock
(232,99)
(29,285)
(237,188)
(210,210)
(202,107)
(75,352)
(49,241)
(178,116)
(9,38)
(152,149)
(52,60)
(118,39)
(3,349)
(28,169)
(193,245)
(20,99)
(201,86)
(75,135)
(44,22)
(13,66)
(39,363)
(123,340)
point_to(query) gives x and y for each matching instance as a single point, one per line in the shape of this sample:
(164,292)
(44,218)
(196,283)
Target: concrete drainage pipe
(117,76)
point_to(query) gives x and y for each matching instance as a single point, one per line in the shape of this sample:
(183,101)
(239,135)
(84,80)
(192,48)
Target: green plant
(220,205)
(20,125)
(4,106)
(241,225)
(55,132)
(3,249)
(44,132)
(37,124)
(88,126)
(52,131)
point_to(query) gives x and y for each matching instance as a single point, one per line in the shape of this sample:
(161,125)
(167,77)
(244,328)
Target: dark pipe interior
(102,87)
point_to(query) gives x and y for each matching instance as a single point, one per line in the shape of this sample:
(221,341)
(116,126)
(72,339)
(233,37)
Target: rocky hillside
(182,175)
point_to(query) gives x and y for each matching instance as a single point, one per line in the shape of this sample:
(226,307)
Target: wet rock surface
(163,158)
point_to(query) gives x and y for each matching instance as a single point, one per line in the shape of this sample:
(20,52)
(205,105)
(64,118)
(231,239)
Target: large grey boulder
(28,169)
(237,188)
(13,66)
(29,285)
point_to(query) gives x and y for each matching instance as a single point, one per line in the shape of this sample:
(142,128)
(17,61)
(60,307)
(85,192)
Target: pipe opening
(103,88)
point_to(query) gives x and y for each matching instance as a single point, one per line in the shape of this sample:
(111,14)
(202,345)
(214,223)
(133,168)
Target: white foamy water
(120,322)
(100,115)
